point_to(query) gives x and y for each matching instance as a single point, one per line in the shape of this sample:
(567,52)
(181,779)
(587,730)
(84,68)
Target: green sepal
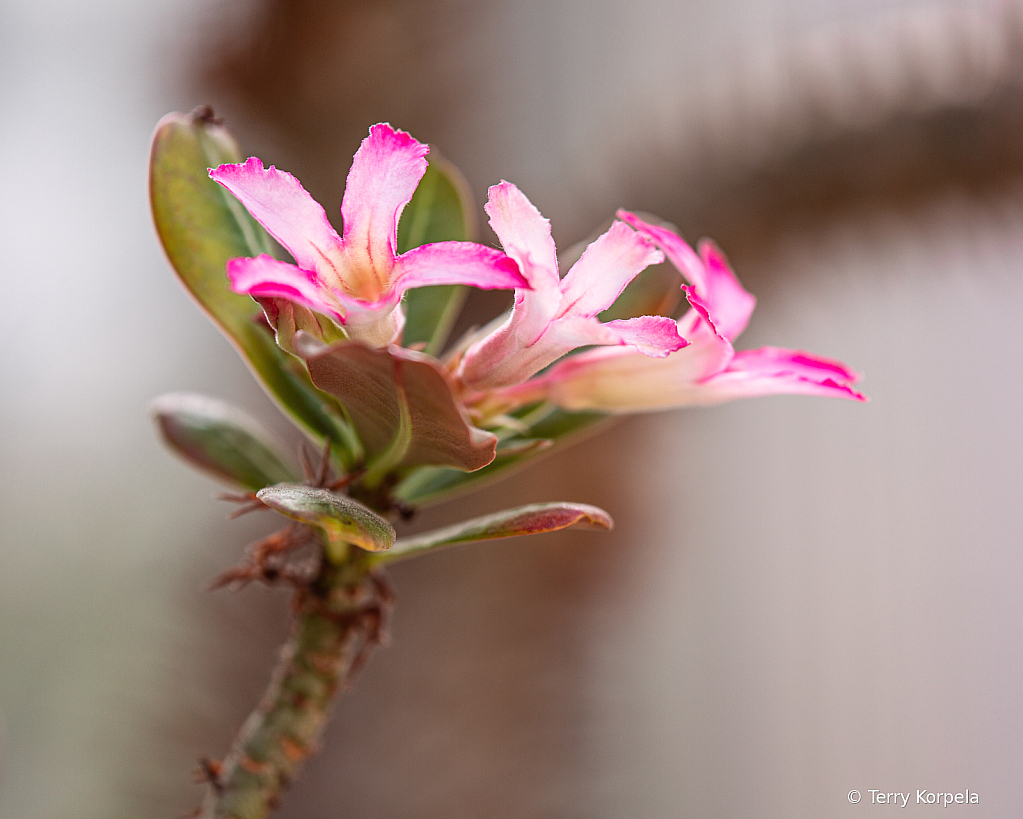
(524,520)
(201,226)
(342,520)
(219,439)
(441,210)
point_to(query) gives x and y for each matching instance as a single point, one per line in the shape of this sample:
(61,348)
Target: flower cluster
(356,280)
(707,371)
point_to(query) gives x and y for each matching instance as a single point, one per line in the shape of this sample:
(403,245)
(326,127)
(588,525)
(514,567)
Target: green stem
(338,621)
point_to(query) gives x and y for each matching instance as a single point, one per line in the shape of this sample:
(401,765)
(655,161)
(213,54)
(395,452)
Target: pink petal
(796,362)
(613,381)
(457,263)
(266,277)
(375,324)
(605,267)
(655,336)
(621,379)
(726,300)
(384,175)
(279,203)
(733,384)
(566,333)
(679,253)
(526,236)
(502,357)
(696,323)
(730,303)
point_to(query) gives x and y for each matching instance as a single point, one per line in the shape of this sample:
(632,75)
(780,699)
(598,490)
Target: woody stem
(339,619)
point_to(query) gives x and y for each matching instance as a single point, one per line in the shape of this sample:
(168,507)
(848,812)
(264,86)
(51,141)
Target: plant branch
(339,619)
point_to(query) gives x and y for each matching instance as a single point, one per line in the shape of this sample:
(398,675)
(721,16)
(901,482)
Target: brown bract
(379,386)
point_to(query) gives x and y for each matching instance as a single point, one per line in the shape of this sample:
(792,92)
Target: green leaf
(372,385)
(201,226)
(525,520)
(562,425)
(342,520)
(554,427)
(431,484)
(442,210)
(220,439)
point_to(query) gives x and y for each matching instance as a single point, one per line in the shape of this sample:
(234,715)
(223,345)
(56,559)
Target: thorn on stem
(249,501)
(345,480)
(254,766)
(292,750)
(313,473)
(324,471)
(264,563)
(209,772)
(204,114)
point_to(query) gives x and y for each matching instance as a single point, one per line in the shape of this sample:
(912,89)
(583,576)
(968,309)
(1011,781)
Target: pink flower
(707,371)
(555,315)
(357,279)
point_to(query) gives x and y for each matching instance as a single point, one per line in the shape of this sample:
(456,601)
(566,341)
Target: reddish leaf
(524,520)
(365,381)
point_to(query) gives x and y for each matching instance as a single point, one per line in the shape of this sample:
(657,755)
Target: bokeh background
(801,596)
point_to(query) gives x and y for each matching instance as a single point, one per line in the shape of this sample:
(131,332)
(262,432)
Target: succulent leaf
(524,520)
(201,226)
(220,439)
(342,520)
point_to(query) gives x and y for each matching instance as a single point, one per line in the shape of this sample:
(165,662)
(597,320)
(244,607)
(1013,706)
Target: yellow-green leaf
(342,520)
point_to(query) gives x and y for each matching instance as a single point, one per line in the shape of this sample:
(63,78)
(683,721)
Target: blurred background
(801,596)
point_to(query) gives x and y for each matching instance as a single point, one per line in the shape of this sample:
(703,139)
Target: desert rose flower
(356,279)
(554,315)
(707,371)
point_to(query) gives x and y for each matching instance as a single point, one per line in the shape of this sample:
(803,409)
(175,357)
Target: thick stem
(338,620)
